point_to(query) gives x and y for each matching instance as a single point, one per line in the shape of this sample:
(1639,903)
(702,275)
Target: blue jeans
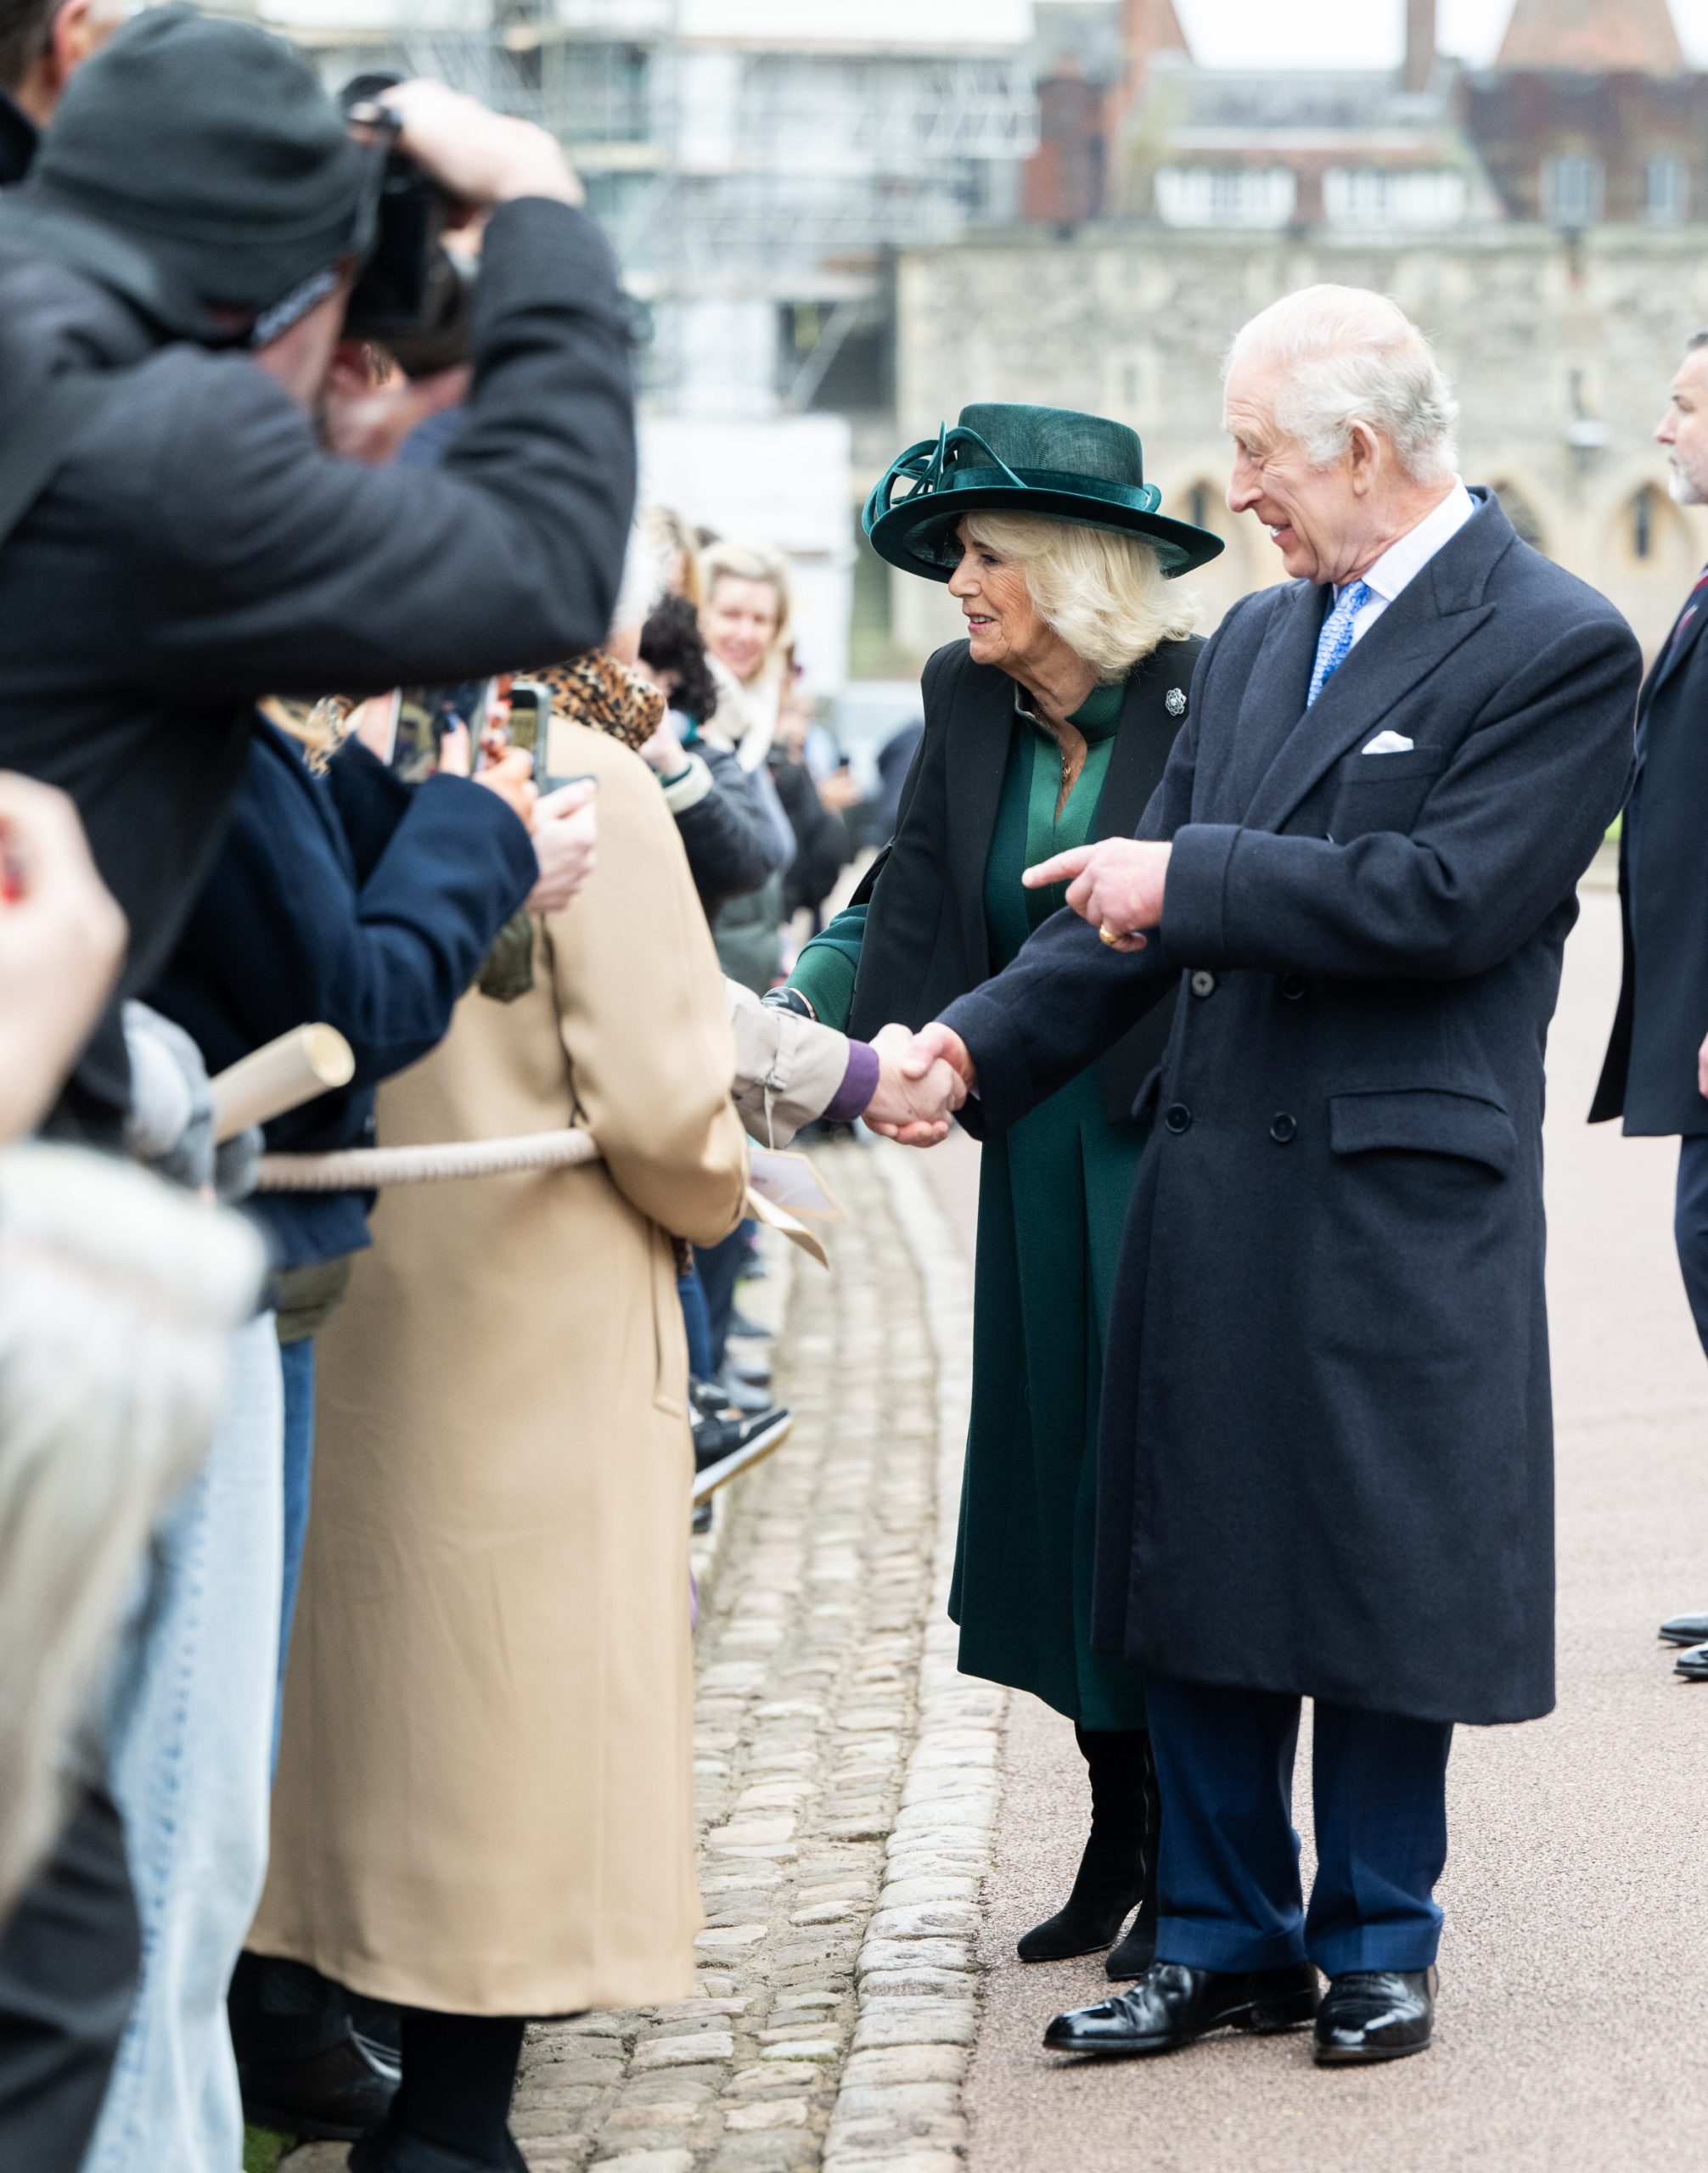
(296,1365)
(719,1267)
(697,1321)
(1228,1870)
(192,1724)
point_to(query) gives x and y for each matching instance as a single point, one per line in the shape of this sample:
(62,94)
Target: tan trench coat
(485,1794)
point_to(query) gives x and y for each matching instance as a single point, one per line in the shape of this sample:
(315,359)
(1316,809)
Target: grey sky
(1362,33)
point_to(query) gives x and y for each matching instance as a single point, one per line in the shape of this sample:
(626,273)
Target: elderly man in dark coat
(1326,1455)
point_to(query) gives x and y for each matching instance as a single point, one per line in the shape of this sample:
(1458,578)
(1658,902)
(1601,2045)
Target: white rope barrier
(366,1169)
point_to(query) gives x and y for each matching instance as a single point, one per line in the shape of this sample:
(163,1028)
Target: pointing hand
(1117,885)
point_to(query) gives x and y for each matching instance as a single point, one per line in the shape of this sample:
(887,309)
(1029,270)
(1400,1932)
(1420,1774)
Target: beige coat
(485,1798)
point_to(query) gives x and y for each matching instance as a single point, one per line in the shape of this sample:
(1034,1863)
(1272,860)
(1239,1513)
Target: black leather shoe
(1173,2005)
(330,2097)
(1686,1630)
(1375,2014)
(1693,1664)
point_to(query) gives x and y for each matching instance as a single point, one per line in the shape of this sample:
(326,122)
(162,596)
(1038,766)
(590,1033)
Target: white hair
(1103,593)
(1348,356)
(118,1297)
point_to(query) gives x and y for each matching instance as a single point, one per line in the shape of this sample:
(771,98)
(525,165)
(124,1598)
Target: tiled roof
(1588,37)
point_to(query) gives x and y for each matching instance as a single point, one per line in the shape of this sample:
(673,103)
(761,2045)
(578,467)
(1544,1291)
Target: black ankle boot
(1134,1955)
(1111,1879)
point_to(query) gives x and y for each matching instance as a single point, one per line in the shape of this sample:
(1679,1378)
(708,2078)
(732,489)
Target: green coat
(1052,1200)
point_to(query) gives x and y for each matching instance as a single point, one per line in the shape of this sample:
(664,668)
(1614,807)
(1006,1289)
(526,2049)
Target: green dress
(1053,1199)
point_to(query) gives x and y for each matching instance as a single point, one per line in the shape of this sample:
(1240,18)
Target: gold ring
(1109,936)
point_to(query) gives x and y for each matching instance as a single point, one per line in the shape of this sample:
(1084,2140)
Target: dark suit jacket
(926,941)
(1326,1462)
(350,899)
(1650,1076)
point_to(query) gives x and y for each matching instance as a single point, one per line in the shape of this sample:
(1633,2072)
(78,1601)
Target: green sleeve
(824,972)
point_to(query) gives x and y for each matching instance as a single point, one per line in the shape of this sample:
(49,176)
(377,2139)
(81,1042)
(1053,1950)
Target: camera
(414,295)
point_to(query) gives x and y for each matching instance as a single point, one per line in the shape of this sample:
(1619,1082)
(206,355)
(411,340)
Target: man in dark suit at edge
(1655,1076)
(1326,1461)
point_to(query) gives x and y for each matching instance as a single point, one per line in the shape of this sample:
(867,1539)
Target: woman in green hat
(1047,726)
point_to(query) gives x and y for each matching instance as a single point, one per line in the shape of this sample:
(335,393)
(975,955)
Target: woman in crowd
(484,1809)
(345,895)
(1048,726)
(744,618)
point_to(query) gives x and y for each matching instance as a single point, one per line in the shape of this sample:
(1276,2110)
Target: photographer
(195,224)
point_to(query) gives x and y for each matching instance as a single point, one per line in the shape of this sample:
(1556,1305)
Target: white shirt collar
(1405,559)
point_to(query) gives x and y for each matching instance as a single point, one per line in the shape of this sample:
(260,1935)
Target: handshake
(923,1079)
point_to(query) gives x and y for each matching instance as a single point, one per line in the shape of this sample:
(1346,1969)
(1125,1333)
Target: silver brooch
(1174,702)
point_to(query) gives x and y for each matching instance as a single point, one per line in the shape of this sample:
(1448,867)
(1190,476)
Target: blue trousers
(1690,1228)
(1228,1872)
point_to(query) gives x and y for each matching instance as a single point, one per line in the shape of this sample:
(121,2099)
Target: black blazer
(1650,1076)
(926,941)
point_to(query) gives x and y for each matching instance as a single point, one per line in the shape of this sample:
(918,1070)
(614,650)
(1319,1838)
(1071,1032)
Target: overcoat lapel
(1678,646)
(975,759)
(1144,744)
(1418,631)
(1274,700)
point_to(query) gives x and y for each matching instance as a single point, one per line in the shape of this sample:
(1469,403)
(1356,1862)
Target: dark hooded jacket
(198,549)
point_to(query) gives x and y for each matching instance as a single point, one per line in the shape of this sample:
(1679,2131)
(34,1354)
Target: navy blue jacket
(349,899)
(1326,1457)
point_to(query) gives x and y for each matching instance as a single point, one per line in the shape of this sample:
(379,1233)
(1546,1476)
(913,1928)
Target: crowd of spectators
(345,1605)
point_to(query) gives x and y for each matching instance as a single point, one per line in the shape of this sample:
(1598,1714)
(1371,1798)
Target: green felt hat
(1005,458)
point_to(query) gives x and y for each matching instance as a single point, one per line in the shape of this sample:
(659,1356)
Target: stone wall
(1561,353)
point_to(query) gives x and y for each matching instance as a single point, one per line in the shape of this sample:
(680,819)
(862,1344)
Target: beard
(1682,487)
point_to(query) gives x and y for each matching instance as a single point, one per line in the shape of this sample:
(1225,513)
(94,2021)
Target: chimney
(1420,45)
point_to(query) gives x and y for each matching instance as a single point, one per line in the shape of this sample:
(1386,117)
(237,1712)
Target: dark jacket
(723,828)
(199,550)
(822,850)
(1326,1464)
(1650,1076)
(350,900)
(926,941)
(19,136)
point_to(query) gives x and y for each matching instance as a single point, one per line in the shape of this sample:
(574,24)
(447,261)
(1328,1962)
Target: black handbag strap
(40,438)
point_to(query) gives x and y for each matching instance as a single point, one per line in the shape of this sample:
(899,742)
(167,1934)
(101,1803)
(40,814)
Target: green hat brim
(913,534)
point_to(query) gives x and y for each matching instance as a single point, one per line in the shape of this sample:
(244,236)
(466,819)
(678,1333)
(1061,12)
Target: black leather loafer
(1686,1630)
(1172,2005)
(1693,1665)
(1375,2014)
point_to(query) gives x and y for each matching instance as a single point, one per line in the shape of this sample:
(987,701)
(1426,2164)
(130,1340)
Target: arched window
(1521,514)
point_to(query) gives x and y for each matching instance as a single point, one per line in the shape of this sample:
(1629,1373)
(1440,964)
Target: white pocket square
(1388,742)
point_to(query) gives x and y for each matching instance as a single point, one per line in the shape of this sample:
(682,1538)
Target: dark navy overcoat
(1326,1462)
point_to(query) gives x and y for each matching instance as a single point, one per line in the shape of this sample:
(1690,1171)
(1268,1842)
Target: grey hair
(118,1297)
(1348,356)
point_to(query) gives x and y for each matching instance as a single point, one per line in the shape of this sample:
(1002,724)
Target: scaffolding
(757,168)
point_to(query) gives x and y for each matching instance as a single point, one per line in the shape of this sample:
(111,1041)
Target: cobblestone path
(846,1774)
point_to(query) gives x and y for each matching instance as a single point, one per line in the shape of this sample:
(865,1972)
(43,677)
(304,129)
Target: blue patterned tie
(1334,642)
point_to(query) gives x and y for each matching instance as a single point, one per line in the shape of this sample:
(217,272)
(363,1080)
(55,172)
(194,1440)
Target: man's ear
(75,35)
(1363,456)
